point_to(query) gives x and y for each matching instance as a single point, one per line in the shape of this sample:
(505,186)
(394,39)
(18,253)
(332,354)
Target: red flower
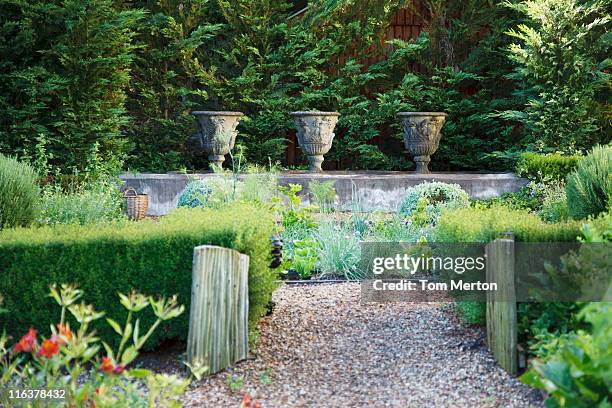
(28,343)
(107,365)
(246,401)
(49,348)
(65,334)
(249,402)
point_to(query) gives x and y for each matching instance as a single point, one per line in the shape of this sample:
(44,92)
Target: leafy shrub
(546,167)
(396,229)
(18,193)
(528,197)
(294,215)
(473,313)
(195,194)
(589,188)
(438,196)
(540,322)
(111,383)
(562,57)
(486,224)
(554,205)
(323,193)
(578,373)
(99,203)
(155,257)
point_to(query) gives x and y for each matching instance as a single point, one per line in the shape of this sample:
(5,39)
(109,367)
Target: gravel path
(322,348)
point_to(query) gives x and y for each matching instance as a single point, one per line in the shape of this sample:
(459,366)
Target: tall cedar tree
(64,67)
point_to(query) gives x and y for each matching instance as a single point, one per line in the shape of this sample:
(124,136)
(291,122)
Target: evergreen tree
(63,77)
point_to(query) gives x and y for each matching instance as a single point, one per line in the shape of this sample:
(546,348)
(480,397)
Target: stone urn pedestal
(315,133)
(216,134)
(422,135)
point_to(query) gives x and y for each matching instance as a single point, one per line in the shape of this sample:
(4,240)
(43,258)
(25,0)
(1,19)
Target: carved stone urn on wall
(216,134)
(315,133)
(422,135)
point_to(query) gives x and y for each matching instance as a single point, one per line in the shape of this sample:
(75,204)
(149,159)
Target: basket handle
(128,190)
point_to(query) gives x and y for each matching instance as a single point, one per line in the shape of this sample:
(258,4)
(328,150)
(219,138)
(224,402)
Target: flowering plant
(249,402)
(69,359)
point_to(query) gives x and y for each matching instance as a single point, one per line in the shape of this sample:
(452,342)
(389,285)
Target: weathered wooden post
(218,322)
(501,304)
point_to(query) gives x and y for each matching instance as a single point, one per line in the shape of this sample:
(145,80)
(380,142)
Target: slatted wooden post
(218,322)
(501,304)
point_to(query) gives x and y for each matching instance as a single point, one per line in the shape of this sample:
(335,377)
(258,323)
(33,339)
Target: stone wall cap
(314,113)
(422,114)
(217,113)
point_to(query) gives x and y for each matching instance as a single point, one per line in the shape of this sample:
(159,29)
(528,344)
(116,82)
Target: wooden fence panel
(501,304)
(218,322)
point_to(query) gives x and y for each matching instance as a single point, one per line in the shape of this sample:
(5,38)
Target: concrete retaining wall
(381,191)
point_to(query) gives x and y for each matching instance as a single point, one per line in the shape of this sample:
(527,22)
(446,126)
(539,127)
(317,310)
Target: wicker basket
(136,204)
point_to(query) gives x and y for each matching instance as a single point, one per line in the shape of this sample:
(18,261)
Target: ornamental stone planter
(216,134)
(422,135)
(315,133)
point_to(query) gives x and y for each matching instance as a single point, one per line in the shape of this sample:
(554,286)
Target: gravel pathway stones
(322,348)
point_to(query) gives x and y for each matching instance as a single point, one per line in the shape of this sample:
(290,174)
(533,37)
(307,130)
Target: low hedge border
(152,257)
(486,224)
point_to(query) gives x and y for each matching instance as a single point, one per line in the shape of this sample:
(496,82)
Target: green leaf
(140,372)
(115,326)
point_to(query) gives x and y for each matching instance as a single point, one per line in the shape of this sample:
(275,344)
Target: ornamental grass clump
(75,365)
(19,193)
(589,187)
(436,196)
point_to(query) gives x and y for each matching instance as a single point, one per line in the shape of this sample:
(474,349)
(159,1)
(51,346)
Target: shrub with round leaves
(436,196)
(589,187)
(195,194)
(19,193)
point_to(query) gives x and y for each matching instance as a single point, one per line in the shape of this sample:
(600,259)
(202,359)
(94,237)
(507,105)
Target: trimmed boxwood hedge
(152,257)
(546,167)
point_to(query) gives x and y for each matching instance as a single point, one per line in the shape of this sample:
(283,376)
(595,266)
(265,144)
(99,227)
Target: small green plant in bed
(293,214)
(305,257)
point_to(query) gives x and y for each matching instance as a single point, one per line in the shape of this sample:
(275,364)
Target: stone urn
(216,134)
(315,133)
(422,135)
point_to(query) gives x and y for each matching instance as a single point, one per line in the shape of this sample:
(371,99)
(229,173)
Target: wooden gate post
(502,329)
(218,321)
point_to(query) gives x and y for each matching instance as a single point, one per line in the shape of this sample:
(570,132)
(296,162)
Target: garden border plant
(155,257)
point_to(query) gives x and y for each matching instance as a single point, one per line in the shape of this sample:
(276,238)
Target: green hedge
(546,167)
(152,257)
(486,224)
